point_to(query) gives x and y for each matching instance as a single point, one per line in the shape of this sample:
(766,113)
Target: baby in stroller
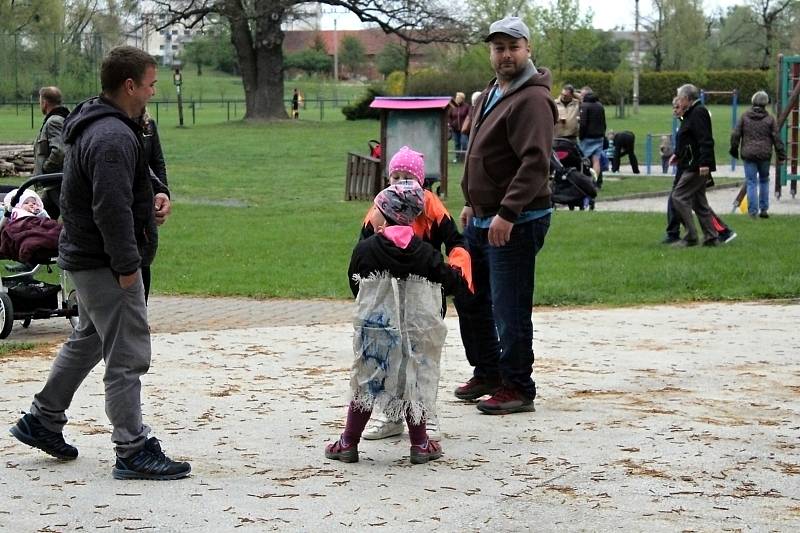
(29,204)
(571,176)
(30,236)
(27,233)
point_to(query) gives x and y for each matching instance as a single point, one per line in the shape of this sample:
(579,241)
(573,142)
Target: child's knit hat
(410,161)
(27,193)
(16,210)
(401,202)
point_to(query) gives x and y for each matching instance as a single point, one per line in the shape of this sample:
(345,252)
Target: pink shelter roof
(410,102)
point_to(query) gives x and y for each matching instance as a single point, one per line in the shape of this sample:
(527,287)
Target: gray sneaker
(381,427)
(432,427)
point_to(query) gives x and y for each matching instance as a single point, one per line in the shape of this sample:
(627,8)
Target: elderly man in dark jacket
(757,132)
(110,214)
(694,154)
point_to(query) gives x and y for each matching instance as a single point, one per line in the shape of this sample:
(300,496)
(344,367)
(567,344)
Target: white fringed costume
(398,338)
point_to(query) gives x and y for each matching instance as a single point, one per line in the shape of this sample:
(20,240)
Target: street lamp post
(335,52)
(636,62)
(335,12)
(177,79)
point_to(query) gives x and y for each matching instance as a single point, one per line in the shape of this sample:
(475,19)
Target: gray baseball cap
(511,26)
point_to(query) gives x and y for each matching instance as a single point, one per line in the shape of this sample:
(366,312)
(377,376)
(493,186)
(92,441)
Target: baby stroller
(571,176)
(24,295)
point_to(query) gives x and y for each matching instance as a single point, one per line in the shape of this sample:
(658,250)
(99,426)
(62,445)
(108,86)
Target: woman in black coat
(154,156)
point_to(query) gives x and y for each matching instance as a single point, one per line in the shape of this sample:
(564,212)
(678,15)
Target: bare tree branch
(257,34)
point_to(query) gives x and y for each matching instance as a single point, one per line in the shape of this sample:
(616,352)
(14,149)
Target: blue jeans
(460,141)
(757,174)
(496,322)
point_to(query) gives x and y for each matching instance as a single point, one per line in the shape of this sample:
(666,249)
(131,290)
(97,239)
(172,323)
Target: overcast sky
(612,13)
(607,13)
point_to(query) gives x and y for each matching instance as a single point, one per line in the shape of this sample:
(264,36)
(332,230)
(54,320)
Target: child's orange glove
(459,258)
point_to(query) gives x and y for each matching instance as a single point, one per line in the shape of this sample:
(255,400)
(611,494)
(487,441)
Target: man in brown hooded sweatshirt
(505,220)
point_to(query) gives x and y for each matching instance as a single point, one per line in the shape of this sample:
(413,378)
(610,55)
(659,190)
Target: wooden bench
(364,179)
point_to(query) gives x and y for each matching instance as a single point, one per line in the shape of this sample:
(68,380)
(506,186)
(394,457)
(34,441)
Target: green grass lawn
(13,348)
(259,212)
(211,98)
(589,257)
(215,85)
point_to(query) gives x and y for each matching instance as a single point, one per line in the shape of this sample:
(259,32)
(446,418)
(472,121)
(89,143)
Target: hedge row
(654,87)
(431,82)
(659,87)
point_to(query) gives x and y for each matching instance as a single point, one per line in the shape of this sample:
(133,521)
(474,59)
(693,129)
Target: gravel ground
(656,418)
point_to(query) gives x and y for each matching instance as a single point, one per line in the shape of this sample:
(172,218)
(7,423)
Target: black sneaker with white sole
(727,236)
(31,432)
(150,463)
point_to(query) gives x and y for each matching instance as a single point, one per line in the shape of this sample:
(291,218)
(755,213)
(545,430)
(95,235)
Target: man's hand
(127,281)
(163,208)
(673,159)
(500,231)
(465,217)
(704,171)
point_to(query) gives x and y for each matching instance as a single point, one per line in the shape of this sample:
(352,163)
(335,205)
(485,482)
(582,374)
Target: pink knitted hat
(409,161)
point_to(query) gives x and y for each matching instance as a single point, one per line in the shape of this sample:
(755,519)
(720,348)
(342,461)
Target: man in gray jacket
(48,148)
(110,213)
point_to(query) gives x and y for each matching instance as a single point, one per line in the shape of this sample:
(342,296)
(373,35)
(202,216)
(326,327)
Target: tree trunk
(260,59)
(657,60)
(406,64)
(768,38)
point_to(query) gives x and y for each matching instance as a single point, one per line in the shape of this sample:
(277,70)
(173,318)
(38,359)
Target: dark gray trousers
(113,328)
(690,192)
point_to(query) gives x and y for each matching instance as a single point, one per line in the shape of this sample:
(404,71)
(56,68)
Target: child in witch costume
(399,331)
(433,225)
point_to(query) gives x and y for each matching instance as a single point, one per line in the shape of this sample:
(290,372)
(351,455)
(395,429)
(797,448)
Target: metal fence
(195,111)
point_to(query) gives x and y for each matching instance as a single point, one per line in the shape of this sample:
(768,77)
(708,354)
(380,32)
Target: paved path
(176,314)
(720,198)
(658,418)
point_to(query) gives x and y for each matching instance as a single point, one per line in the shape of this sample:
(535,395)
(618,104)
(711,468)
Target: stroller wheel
(6,315)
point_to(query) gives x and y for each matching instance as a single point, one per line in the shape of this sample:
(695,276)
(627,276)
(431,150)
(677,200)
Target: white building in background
(165,44)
